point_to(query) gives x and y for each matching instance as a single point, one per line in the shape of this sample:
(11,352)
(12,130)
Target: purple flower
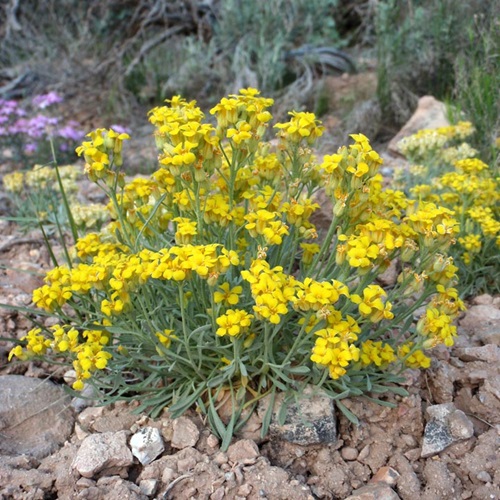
(8,107)
(120,129)
(45,100)
(30,148)
(71,132)
(36,127)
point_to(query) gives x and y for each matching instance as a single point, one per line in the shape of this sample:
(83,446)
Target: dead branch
(151,44)
(19,241)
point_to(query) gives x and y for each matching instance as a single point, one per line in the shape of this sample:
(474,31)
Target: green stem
(184,326)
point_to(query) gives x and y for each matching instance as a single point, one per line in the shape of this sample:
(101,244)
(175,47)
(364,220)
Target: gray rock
(116,488)
(105,453)
(147,444)
(446,425)
(185,434)
(430,113)
(488,333)
(483,300)
(19,477)
(378,491)
(148,487)
(489,353)
(479,315)
(309,421)
(244,451)
(349,453)
(35,418)
(460,426)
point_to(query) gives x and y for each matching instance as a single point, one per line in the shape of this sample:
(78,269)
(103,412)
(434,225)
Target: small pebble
(220,458)
(349,453)
(168,475)
(484,476)
(363,454)
(212,441)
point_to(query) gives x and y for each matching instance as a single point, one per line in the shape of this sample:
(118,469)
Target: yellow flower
(233,322)
(269,308)
(228,295)
(165,337)
(417,359)
(373,305)
(376,353)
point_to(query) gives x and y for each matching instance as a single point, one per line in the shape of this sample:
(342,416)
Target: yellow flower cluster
(86,349)
(102,152)
(302,125)
(373,305)
(431,142)
(334,347)
(88,216)
(376,353)
(234,322)
(41,178)
(216,251)
(413,358)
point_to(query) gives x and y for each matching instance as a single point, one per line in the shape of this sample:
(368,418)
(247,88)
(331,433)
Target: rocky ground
(440,442)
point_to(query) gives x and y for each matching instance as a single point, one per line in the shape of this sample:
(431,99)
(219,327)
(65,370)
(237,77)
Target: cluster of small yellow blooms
(88,216)
(42,178)
(454,153)
(376,353)
(431,142)
(226,222)
(87,348)
(101,153)
(455,178)
(233,322)
(414,358)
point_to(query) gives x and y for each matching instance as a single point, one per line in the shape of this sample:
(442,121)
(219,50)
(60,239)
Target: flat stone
(35,418)
(349,453)
(488,333)
(386,475)
(148,487)
(488,353)
(185,433)
(244,451)
(483,300)
(311,420)
(477,316)
(107,453)
(378,491)
(430,114)
(446,426)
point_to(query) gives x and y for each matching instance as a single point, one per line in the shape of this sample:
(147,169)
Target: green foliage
(251,43)
(418,42)
(477,85)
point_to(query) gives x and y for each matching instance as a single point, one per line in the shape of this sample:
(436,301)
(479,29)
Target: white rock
(147,444)
(106,452)
(446,426)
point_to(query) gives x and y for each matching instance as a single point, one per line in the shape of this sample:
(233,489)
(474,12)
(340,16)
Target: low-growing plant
(445,170)
(28,130)
(212,286)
